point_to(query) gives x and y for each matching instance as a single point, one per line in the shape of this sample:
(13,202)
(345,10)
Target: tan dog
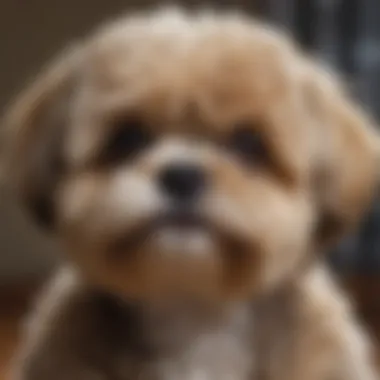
(194,166)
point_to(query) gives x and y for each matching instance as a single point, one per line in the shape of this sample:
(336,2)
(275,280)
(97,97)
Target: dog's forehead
(197,72)
(225,63)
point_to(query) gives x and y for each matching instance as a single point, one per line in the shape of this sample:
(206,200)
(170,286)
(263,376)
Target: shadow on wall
(24,253)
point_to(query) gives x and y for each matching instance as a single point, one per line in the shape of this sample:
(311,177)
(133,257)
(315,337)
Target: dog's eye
(129,138)
(249,145)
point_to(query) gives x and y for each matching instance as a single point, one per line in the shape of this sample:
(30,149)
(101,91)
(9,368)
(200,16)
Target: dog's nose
(182,182)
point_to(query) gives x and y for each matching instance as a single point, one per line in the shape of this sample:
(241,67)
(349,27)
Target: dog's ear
(348,152)
(32,136)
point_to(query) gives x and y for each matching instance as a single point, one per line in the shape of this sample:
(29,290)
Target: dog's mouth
(179,231)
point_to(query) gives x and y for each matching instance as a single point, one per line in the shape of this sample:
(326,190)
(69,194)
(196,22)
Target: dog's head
(201,155)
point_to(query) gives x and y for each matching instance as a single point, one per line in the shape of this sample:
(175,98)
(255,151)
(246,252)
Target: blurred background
(344,33)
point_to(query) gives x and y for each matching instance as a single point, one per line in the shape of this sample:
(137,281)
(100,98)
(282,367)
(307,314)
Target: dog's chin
(187,234)
(174,255)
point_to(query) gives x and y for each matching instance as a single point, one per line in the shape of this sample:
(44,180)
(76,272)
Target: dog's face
(197,156)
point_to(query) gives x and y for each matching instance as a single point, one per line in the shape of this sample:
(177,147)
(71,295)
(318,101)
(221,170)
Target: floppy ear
(348,146)
(32,137)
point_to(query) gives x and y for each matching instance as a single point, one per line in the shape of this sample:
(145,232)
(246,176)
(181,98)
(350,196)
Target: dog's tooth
(198,243)
(191,242)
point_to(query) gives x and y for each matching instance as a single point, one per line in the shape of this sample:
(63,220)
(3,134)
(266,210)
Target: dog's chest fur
(188,348)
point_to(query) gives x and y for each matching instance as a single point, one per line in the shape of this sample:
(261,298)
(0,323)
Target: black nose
(183,182)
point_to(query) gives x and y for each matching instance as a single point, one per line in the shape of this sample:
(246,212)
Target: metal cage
(346,35)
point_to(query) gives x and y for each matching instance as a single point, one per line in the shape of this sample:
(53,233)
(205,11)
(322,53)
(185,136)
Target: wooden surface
(15,301)
(14,304)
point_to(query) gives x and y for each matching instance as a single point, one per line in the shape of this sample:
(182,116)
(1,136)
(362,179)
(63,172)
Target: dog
(195,167)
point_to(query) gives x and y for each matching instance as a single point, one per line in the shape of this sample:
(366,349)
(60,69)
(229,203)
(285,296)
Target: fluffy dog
(195,167)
